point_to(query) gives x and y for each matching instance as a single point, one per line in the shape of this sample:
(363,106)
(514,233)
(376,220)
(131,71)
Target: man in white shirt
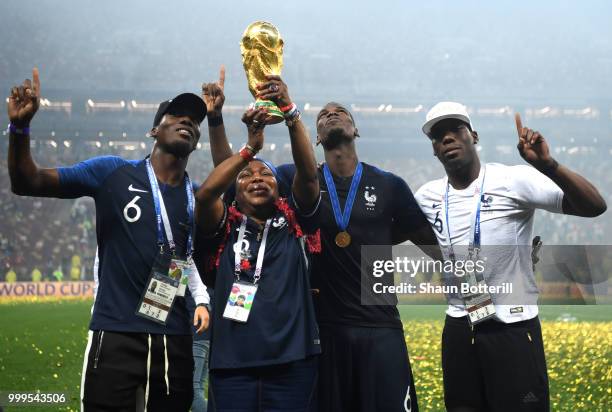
(497,364)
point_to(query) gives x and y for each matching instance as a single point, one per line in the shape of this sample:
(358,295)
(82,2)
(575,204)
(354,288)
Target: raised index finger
(36,79)
(222,76)
(519,123)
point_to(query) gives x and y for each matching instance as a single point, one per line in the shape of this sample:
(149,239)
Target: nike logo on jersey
(133,189)
(435,205)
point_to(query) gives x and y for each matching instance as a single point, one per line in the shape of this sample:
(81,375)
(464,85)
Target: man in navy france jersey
(496,364)
(126,351)
(364,364)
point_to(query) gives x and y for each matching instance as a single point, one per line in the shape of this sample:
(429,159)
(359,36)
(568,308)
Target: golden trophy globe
(262,54)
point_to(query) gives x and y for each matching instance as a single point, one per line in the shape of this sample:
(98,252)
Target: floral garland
(313,241)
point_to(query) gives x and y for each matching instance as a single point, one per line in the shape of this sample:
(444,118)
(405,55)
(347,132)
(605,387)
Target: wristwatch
(207,306)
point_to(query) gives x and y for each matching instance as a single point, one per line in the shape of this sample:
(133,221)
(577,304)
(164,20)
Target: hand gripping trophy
(262,54)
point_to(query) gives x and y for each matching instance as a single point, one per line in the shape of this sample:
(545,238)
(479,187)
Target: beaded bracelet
(287,108)
(247,153)
(295,117)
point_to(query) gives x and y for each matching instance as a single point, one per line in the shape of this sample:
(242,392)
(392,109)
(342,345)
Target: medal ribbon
(161,215)
(342,218)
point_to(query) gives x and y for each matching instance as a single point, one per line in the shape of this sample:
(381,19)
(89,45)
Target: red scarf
(313,241)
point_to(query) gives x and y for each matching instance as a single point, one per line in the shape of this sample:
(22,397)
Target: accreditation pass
(479,308)
(158,298)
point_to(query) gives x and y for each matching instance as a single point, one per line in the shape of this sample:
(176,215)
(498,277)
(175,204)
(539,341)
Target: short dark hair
(337,105)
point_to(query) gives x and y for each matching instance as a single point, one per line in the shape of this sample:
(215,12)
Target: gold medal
(343,239)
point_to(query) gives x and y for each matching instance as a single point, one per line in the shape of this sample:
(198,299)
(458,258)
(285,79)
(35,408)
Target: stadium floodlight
(310,108)
(584,113)
(46,104)
(105,106)
(234,108)
(495,111)
(142,107)
(544,112)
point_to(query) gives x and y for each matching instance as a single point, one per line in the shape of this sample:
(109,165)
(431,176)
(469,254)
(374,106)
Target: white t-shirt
(511,194)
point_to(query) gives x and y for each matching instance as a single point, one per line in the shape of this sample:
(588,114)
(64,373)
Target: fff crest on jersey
(486,200)
(370,197)
(279,222)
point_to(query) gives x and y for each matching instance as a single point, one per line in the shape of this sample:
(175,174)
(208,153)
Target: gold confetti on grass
(578,357)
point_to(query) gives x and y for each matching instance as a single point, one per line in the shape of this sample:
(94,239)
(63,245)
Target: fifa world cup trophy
(262,54)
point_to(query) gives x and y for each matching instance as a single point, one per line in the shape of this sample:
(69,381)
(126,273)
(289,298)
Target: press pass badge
(158,298)
(477,300)
(177,269)
(240,301)
(479,308)
(180,270)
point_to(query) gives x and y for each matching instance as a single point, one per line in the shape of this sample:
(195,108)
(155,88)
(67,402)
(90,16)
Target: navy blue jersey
(383,205)
(127,239)
(281,327)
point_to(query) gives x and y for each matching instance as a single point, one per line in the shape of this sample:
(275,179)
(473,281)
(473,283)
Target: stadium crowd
(53,239)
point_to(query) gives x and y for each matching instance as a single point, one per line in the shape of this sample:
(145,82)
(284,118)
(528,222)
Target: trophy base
(274,113)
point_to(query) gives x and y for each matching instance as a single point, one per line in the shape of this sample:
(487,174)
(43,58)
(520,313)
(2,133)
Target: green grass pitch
(42,345)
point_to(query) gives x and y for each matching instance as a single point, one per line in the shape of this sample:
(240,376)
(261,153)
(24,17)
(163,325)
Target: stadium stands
(46,233)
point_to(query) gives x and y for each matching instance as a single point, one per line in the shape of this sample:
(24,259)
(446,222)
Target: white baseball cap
(446,110)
